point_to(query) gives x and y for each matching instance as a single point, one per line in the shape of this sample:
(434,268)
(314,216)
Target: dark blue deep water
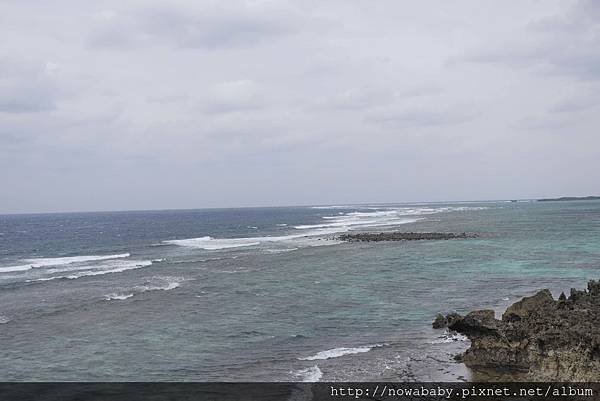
(268,293)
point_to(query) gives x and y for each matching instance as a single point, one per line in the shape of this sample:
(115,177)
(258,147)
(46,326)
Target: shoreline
(537,338)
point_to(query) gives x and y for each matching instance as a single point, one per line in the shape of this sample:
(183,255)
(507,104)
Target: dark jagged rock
(442,321)
(545,339)
(401,236)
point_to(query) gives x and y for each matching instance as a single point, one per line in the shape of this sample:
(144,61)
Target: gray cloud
(239,95)
(563,44)
(572,104)
(192,25)
(420,117)
(26,88)
(143,104)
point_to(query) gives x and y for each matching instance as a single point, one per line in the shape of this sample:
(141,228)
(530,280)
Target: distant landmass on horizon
(570,198)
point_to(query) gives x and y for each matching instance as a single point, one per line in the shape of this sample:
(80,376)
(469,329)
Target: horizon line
(267,207)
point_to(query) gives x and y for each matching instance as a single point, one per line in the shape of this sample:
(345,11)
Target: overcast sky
(117,105)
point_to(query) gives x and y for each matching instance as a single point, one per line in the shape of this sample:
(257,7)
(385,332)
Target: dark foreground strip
(297,391)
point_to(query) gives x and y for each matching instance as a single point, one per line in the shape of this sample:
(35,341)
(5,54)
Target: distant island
(570,198)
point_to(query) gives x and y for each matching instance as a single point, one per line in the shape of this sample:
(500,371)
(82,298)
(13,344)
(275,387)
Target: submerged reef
(401,236)
(542,338)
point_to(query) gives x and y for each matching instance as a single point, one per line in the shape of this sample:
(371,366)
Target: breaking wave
(49,262)
(98,270)
(210,243)
(117,297)
(337,352)
(449,337)
(364,218)
(156,283)
(309,375)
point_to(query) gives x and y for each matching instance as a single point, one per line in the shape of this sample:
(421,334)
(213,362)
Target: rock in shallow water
(546,339)
(401,236)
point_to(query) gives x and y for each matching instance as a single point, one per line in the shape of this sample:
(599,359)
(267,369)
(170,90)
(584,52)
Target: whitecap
(19,268)
(99,270)
(50,262)
(309,375)
(156,283)
(449,337)
(337,352)
(160,283)
(117,297)
(379,217)
(284,250)
(4,319)
(345,221)
(41,262)
(210,243)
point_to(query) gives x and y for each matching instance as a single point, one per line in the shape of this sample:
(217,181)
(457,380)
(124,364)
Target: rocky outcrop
(401,236)
(544,338)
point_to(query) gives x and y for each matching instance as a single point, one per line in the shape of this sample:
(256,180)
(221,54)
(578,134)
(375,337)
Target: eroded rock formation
(544,338)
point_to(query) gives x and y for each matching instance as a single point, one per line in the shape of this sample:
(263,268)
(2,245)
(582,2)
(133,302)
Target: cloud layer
(139,104)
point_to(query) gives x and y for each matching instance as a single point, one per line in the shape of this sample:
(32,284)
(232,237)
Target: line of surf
(49,262)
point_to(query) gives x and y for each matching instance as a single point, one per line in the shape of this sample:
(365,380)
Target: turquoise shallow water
(242,294)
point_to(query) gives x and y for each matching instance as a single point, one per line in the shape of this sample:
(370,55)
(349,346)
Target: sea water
(270,293)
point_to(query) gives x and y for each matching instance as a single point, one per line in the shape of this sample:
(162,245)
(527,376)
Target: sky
(123,105)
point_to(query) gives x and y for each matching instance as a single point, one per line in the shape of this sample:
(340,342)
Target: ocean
(269,294)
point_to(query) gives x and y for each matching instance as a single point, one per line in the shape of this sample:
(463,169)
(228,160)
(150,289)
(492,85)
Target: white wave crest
(19,268)
(41,262)
(157,283)
(210,243)
(337,352)
(449,337)
(98,270)
(161,284)
(378,217)
(309,375)
(342,222)
(117,297)
(4,319)
(283,250)
(50,262)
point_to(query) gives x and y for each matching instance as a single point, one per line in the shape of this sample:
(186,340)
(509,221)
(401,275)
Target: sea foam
(309,375)
(342,222)
(98,270)
(117,297)
(449,337)
(210,243)
(36,263)
(41,262)
(378,217)
(337,352)
(156,283)
(19,268)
